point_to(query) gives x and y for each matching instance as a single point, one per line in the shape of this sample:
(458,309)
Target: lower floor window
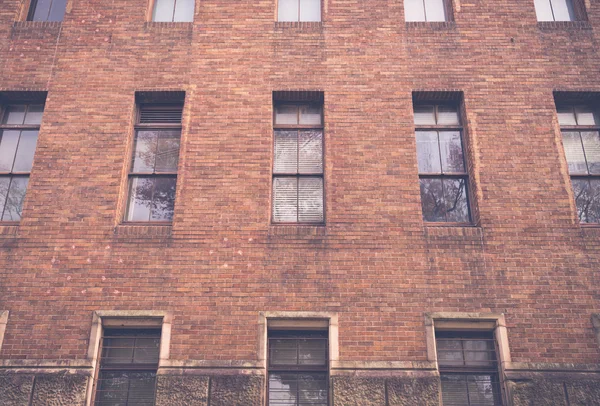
(587,198)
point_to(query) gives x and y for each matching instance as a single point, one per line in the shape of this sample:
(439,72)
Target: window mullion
(12,166)
(174,8)
(554,19)
(6,198)
(425,13)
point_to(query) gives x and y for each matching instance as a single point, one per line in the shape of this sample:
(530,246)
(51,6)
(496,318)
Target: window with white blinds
(468,368)
(298,163)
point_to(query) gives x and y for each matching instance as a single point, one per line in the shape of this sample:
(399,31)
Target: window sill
(431,25)
(305,26)
(298,229)
(8,228)
(563,25)
(20,25)
(168,27)
(452,230)
(147,230)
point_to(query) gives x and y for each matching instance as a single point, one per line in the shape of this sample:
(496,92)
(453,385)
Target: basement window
(173,10)
(299,10)
(47,10)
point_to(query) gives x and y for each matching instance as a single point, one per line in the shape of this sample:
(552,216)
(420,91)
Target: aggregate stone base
(555,392)
(182,390)
(15,390)
(42,390)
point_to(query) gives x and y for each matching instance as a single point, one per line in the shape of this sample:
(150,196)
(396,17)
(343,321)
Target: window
(128,365)
(153,173)
(47,10)
(299,10)
(173,10)
(580,127)
(298,163)
(555,10)
(468,368)
(18,138)
(298,367)
(442,170)
(426,10)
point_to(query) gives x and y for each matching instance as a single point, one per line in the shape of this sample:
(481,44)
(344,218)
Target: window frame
(579,129)
(460,128)
(33,6)
(152,6)
(321,127)
(19,127)
(321,11)
(138,126)
(578,7)
(448,13)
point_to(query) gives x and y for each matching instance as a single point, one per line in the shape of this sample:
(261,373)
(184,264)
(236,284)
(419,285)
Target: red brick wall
(374,262)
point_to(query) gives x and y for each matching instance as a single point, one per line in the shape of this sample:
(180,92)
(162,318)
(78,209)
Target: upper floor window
(128,363)
(173,10)
(442,169)
(153,173)
(298,163)
(298,368)
(468,368)
(427,10)
(299,10)
(47,10)
(19,129)
(580,127)
(555,10)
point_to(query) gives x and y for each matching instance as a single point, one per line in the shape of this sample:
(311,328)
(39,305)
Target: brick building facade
(225,282)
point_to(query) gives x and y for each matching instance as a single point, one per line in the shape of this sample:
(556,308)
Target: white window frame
(126,319)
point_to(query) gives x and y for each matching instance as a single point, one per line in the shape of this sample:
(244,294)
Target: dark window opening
(47,10)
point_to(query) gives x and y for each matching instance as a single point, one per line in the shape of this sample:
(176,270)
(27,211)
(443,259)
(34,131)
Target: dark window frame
(296,175)
(17,127)
(317,334)
(104,366)
(153,175)
(493,370)
(465,152)
(594,107)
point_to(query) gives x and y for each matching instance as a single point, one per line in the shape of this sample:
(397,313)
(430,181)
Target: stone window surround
(3,322)
(125,319)
(297,320)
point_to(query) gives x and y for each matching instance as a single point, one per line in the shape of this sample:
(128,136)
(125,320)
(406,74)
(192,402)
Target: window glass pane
(140,199)
(563,10)
(428,152)
(310,115)
(593,210)
(184,11)
(286,152)
(312,389)
(167,154)
(141,388)
(163,201)
(285,114)
(414,10)
(543,10)
(479,352)
(455,194)
(310,152)
(14,115)
(285,200)
(448,115)
(424,115)
(287,10)
(163,10)
(25,151)
(57,10)
(4,185)
(283,389)
(585,115)
(283,352)
(15,199)
(587,199)
(432,199)
(574,153)
(310,10)
(312,352)
(112,388)
(118,350)
(144,156)
(591,146)
(454,390)
(566,116)
(452,152)
(34,114)
(482,390)
(310,200)
(449,352)
(435,10)
(8,149)
(42,9)
(146,350)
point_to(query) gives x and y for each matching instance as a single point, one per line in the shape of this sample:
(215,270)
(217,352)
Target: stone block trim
(15,389)
(236,390)
(182,390)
